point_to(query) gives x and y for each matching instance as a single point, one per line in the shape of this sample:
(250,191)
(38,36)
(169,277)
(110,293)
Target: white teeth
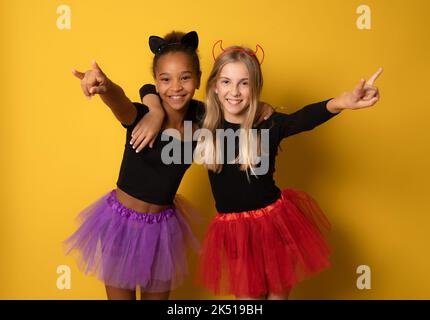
(234,101)
(176,97)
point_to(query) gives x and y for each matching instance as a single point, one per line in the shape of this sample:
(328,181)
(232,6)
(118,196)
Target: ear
(191,39)
(155,43)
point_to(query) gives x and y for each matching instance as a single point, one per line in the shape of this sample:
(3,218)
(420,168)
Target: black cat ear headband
(157,44)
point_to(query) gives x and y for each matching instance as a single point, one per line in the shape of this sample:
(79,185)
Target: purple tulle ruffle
(125,248)
(133,215)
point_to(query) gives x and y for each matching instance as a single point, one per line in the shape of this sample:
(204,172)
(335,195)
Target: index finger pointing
(78,74)
(96,66)
(375,76)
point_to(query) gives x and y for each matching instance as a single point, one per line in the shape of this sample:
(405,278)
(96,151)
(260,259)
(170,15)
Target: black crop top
(233,189)
(143,175)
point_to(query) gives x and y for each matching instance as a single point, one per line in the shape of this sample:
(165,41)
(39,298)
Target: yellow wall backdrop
(367,168)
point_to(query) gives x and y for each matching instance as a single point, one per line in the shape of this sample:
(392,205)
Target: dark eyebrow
(166,74)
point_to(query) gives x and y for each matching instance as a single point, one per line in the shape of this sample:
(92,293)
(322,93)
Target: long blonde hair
(208,150)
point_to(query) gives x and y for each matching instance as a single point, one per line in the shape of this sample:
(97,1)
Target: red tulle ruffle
(269,250)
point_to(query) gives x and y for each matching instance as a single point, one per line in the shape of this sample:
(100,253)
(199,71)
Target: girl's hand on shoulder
(147,130)
(264,112)
(364,95)
(93,81)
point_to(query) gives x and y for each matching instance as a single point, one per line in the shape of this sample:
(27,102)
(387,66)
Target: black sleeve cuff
(147,89)
(325,113)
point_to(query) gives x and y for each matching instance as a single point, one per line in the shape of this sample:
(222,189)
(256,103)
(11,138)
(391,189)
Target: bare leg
(120,293)
(155,295)
(282,296)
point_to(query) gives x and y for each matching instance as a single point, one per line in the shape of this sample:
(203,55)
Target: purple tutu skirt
(125,249)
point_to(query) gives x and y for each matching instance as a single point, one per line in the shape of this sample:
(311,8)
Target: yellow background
(368,168)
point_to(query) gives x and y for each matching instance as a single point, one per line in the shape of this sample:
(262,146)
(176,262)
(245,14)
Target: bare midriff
(138,205)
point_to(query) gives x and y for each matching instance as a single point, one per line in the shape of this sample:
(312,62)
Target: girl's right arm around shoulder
(147,129)
(94,81)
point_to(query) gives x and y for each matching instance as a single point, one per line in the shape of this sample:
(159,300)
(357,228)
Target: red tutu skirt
(269,250)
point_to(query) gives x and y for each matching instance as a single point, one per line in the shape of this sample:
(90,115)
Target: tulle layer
(124,248)
(269,250)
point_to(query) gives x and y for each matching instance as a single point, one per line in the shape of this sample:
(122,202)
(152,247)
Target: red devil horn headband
(252,53)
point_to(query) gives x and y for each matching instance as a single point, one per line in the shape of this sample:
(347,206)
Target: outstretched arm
(94,81)
(364,95)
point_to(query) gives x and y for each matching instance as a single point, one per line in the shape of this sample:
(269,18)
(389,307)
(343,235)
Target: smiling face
(233,90)
(176,79)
